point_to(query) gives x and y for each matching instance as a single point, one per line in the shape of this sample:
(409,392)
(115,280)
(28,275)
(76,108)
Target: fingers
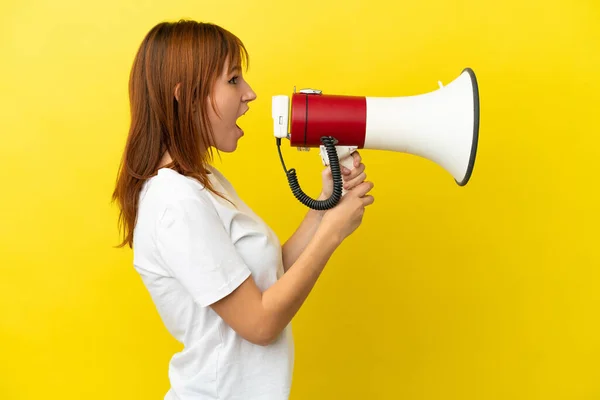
(351,175)
(357,176)
(348,174)
(357,158)
(350,184)
(367,200)
(345,171)
(356,162)
(362,189)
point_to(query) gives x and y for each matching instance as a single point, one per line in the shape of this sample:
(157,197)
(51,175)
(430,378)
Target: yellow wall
(490,291)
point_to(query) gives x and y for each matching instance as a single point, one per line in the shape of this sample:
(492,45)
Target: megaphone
(441,126)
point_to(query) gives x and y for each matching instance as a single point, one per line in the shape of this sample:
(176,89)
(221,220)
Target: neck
(165,160)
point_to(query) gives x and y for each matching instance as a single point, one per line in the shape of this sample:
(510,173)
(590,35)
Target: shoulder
(170,197)
(168,185)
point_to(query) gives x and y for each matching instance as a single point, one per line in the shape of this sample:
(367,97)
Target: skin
(232,97)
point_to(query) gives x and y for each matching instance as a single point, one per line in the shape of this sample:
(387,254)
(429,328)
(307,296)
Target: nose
(249,94)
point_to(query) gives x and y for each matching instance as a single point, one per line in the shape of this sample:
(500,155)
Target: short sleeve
(198,251)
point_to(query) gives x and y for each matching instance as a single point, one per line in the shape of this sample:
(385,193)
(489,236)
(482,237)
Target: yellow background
(491,291)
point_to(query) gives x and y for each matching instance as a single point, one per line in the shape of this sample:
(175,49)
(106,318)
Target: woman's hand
(351,178)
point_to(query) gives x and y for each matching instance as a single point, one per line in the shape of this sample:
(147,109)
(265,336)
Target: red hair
(192,54)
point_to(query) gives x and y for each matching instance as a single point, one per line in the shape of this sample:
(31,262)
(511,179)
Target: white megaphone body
(441,126)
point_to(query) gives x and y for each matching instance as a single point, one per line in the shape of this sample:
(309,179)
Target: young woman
(222,282)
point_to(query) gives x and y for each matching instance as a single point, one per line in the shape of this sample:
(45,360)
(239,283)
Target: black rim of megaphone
(475,142)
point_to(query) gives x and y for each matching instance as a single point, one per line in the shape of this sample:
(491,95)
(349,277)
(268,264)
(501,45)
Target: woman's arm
(260,317)
(296,244)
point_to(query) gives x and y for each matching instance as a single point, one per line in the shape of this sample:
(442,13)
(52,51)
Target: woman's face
(232,95)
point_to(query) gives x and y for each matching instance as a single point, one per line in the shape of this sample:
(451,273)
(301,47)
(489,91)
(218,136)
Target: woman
(222,283)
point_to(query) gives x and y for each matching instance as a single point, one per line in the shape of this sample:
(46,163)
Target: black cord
(329,143)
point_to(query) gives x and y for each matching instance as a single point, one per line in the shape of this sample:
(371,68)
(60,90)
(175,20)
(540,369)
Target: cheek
(230,107)
(223,114)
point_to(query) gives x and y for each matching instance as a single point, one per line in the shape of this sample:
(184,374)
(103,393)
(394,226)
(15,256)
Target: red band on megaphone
(316,115)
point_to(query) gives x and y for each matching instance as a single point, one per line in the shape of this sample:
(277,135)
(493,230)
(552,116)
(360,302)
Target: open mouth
(241,131)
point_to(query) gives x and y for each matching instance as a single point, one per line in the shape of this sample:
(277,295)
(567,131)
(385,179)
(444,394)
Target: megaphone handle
(344,155)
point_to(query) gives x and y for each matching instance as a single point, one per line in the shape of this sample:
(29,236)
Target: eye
(233,80)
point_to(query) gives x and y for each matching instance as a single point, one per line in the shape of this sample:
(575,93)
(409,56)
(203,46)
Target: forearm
(296,244)
(283,299)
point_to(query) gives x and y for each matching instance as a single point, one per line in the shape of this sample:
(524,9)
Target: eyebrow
(233,69)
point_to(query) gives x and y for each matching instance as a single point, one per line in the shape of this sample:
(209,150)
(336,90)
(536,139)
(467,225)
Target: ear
(176,92)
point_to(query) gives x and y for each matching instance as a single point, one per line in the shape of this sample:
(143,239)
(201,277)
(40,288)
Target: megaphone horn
(441,126)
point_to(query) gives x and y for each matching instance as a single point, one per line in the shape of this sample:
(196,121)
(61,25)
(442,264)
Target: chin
(228,142)
(228,147)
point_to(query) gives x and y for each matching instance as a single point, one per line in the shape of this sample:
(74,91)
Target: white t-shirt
(192,248)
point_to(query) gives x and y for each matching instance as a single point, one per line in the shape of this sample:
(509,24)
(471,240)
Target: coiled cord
(329,143)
